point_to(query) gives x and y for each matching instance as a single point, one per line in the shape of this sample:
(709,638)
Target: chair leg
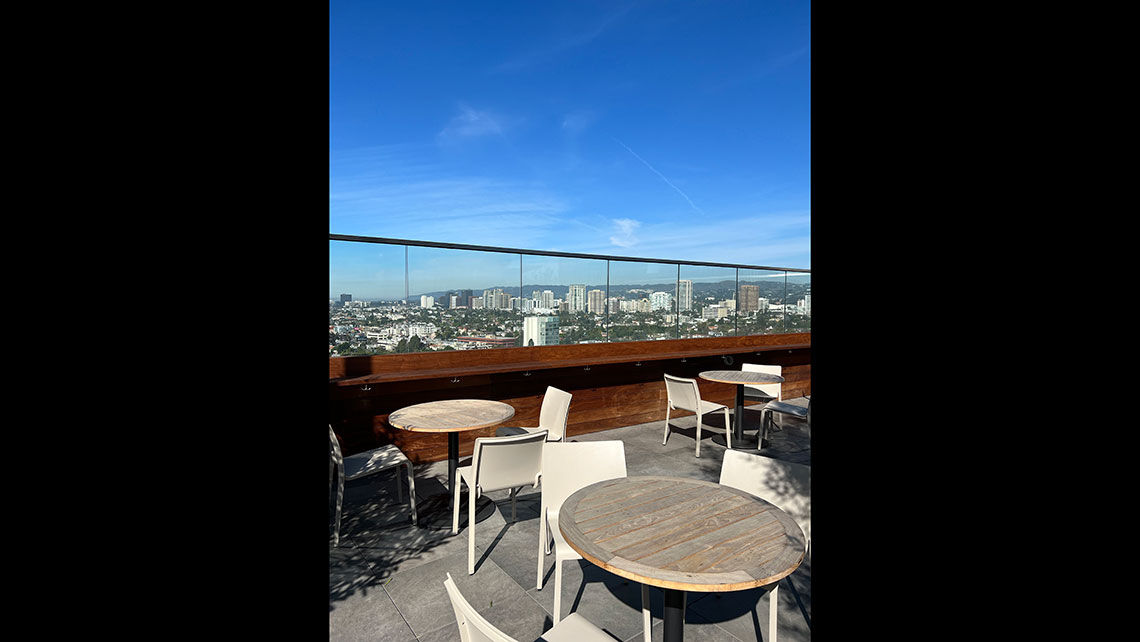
(541,546)
(700,420)
(646,620)
(557,591)
(665,439)
(455,506)
(772,601)
(728,429)
(471,530)
(412,493)
(399,487)
(339,500)
(514,518)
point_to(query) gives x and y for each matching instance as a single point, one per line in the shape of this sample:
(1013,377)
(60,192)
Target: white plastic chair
(551,418)
(567,468)
(782,483)
(496,464)
(683,394)
(763,391)
(475,628)
(362,465)
(767,413)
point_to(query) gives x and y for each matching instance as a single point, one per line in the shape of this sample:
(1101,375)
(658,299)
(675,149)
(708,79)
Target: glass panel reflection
(761,302)
(462,300)
(563,300)
(797,311)
(707,301)
(367,311)
(643,301)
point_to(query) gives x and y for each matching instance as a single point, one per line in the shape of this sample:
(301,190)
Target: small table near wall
(451,416)
(739,378)
(683,534)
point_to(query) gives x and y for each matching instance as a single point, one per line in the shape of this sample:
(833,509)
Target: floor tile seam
(408,624)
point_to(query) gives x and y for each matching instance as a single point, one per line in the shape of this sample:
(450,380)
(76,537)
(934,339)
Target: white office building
(540,331)
(684,295)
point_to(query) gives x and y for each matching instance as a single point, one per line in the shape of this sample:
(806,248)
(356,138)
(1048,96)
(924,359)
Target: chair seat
(575,628)
(373,461)
(756,395)
(505,431)
(706,407)
(787,408)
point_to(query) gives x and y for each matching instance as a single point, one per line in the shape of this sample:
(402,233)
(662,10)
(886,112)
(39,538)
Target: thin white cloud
(662,177)
(625,228)
(577,122)
(561,44)
(470,123)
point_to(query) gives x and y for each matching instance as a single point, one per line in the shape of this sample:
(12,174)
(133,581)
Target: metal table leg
(674,615)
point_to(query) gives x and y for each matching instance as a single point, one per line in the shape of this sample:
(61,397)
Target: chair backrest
(683,393)
(337,458)
(508,462)
(770,389)
(782,483)
(555,409)
(472,626)
(570,466)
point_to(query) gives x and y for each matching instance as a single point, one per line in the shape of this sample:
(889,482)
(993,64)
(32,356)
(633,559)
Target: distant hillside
(769,289)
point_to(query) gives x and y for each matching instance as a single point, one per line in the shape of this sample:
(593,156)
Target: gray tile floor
(386,577)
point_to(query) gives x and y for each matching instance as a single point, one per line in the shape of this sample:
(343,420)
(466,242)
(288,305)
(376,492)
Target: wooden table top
(451,415)
(740,376)
(682,533)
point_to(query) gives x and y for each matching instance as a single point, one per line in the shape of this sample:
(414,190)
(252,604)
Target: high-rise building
(465,298)
(427,301)
(749,298)
(596,301)
(345,298)
(661,301)
(540,331)
(684,295)
(576,298)
(547,300)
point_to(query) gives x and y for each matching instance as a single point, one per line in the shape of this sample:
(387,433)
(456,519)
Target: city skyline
(660,130)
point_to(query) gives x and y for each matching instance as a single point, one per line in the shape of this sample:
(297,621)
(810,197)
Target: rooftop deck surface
(386,577)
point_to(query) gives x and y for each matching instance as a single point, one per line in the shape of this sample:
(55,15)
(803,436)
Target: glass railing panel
(706,301)
(462,299)
(367,309)
(797,313)
(563,300)
(760,304)
(643,299)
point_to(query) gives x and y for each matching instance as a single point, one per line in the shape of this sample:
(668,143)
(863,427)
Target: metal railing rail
(569,255)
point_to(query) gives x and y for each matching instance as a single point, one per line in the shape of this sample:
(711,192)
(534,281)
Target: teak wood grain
(680,533)
(740,377)
(451,415)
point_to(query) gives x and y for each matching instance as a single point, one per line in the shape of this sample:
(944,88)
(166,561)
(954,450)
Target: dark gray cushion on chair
(787,408)
(509,430)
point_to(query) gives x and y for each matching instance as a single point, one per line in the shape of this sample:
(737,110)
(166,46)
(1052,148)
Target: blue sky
(674,130)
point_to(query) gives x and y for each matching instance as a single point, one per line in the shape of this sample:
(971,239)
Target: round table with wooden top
(683,534)
(739,378)
(450,416)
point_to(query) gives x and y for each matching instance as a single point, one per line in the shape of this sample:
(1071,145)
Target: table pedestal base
(747,442)
(434,513)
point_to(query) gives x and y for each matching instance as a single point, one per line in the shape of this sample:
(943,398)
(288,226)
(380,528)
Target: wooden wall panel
(606,396)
